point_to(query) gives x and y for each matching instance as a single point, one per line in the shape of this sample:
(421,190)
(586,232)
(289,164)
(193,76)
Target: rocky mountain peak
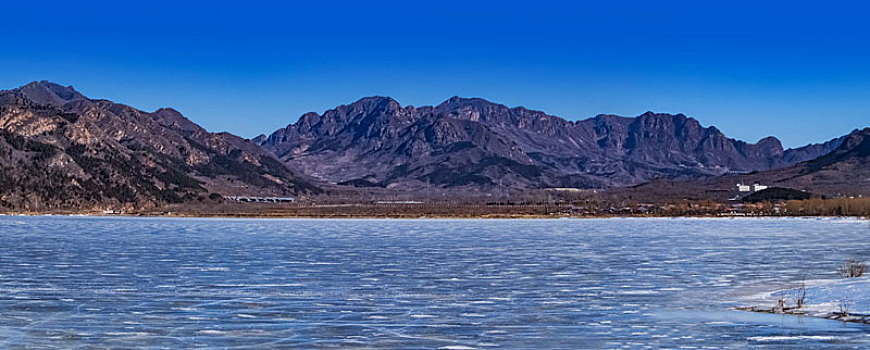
(374,104)
(771,143)
(172,118)
(48,93)
(458,102)
(855,145)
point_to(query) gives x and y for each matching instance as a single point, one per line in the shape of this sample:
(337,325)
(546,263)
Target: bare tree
(799,294)
(843,304)
(852,268)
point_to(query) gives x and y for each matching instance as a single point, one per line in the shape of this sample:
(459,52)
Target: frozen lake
(68,282)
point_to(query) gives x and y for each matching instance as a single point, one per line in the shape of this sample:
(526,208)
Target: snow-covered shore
(846,299)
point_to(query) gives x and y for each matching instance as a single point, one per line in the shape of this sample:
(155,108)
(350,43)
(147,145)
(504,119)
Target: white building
(747,188)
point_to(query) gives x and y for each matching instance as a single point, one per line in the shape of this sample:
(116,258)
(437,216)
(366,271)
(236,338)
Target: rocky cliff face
(472,142)
(61,149)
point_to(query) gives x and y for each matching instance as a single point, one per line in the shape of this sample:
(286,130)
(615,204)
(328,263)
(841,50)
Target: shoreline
(412,217)
(845,299)
(841,207)
(834,316)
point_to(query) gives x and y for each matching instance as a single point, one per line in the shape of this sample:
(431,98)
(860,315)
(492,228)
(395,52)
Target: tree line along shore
(855,207)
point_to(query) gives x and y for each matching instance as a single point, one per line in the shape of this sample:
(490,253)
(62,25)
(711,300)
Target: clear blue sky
(798,71)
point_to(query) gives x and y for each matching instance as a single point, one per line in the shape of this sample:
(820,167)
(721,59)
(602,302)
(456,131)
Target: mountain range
(845,171)
(474,143)
(59,148)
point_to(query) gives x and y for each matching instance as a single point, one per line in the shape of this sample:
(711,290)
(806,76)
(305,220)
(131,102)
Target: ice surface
(70,282)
